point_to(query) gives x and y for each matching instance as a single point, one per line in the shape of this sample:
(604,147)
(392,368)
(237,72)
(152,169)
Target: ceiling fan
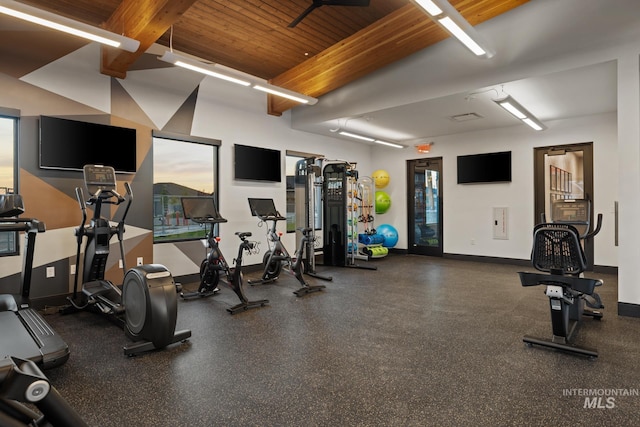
(317,3)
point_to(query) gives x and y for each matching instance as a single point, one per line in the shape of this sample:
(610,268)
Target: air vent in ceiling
(465,117)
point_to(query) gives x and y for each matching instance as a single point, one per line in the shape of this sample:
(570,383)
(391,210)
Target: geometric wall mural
(76,76)
(68,83)
(160,105)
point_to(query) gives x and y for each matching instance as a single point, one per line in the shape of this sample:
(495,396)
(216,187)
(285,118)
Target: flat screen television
(257,164)
(70,144)
(488,167)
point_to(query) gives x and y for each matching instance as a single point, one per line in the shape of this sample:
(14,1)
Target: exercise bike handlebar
(271,217)
(207,220)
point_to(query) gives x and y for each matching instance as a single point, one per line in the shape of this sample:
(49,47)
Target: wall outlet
(51,272)
(473,241)
(120,265)
(72,269)
(139,261)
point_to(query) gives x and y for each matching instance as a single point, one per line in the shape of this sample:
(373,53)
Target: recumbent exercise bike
(557,250)
(277,256)
(146,304)
(203,210)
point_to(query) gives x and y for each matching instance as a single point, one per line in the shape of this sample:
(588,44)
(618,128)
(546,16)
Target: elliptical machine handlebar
(106,196)
(83,208)
(595,230)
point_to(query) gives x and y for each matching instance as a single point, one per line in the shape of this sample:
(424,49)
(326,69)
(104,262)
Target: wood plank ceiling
(329,48)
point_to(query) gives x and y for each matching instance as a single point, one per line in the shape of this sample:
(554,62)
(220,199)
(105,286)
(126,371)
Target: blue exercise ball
(389,233)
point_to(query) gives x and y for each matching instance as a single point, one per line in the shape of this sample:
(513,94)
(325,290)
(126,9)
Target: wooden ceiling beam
(397,35)
(143,20)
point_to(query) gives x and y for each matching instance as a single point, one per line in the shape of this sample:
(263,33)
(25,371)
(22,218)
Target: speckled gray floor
(420,342)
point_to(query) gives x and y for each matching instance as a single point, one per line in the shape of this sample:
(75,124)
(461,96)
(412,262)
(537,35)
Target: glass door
(425,206)
(564,173)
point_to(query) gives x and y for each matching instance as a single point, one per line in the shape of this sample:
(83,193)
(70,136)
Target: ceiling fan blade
(304,14)
(346,2)
(317,3)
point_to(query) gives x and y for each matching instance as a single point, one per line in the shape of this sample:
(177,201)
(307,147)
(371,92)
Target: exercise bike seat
(581,285)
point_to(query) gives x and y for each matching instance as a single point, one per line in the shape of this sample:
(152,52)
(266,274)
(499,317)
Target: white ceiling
(553,56)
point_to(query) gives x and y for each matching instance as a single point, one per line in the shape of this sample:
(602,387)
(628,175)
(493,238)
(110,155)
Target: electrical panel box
(501,223)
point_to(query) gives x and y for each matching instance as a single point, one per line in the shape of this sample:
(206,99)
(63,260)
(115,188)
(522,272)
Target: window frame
(13,237)
(215,144)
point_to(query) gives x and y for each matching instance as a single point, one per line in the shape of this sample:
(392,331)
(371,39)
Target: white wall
(468,209)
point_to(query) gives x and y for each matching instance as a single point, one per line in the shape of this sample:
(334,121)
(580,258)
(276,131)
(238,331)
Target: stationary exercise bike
(146,304)
(277,256)
(557,250)
(203,210)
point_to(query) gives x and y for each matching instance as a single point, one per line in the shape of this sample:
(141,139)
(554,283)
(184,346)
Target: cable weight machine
(340,215)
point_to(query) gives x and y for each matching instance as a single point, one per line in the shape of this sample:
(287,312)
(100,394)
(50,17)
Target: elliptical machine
(146,306)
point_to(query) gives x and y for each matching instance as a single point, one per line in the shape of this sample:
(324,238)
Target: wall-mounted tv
(257,164)
(488,167)
(70,144)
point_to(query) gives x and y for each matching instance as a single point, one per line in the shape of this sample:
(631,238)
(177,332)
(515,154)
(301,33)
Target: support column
(629,184)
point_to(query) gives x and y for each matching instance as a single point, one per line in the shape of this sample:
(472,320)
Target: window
(182,166)
(8,171)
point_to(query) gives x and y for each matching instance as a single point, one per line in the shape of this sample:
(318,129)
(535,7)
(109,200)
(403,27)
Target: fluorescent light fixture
(441,12)
(370,139)
(70,26)
(389,144)
(356,136)
(234,76)
(431,8)
(521,113)
(201,67)
(461,35)
(273,90)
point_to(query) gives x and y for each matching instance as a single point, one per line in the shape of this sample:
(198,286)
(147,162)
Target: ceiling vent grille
(465,117)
